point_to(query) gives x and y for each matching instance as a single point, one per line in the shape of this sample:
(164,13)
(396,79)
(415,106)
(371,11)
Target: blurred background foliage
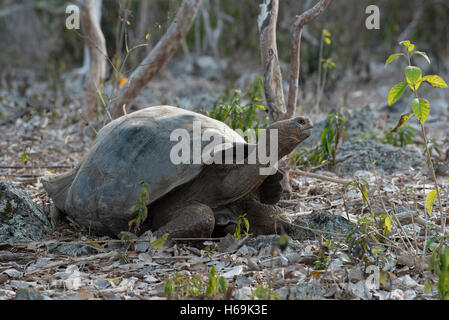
(33,34)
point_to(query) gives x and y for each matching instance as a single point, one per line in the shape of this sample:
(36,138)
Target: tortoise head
(291,132)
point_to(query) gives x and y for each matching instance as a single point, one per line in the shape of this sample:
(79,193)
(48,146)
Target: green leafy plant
(420,106)
(332,136)
(24,156)
(323,255)
(242,110)
(439,263)
(140,207)
(401,138)
(181,286)
(238,229)
(217,285)
(265,292)
(158,243)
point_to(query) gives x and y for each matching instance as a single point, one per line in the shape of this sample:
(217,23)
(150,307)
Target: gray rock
(20,218)
(265,242)
(13,273)
(320,220)
(75,250)
(21,284)
(28,294)
(303,291)
(101,283)
(243,293)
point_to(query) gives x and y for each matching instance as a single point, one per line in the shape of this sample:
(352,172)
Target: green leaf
(364,193)
(429,242)
(246,222)
(223,284)
(156,244)
(24,157)
(421,109)
(393,57)
(396,92)
(413,75)
(411,47)
(421,53)
(435,81)
(211,285)
(430,200)
(387,225)
(402,121)
(405,43)
(328,41)
(326,33)
(444,258)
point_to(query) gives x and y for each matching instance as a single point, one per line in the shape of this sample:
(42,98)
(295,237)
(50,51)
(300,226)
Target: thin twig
(322,177)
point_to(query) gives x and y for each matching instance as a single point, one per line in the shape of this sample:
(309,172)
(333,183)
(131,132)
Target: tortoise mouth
(308,131)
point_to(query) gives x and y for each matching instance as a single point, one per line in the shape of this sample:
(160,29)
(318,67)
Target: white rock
(72,269)
(284,260)
(396,294)
(13,273)
(150,279)
(243,293)
(408,282)
(381,294)
(410,294)
(337,263)
(73,283)
(355,274)
(233,272)
(358,289)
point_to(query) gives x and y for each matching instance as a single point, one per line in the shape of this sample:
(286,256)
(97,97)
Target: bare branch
(96,44)
(272,77)
(295,51)
(158,57)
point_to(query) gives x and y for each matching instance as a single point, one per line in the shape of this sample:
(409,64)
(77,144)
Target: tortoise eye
(302,121)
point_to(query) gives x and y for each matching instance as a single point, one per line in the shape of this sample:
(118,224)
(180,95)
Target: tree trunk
(272,76)
(96,44)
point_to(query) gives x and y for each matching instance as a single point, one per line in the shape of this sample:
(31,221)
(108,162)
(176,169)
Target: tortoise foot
(263,218)
(192,221)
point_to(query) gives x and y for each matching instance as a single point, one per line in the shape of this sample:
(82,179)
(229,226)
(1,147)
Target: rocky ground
(342,240)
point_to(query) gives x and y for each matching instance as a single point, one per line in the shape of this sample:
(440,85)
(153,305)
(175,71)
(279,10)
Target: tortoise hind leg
(195,220)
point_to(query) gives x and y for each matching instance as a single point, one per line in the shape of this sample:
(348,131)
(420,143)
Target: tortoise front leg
(270,191)
(195,220)
(263,218)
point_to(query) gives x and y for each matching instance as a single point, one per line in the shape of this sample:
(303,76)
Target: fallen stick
(72,261)
(322,177)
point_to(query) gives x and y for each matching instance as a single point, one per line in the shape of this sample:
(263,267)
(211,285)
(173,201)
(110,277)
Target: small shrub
(332,136)
(181,286)
(242,110)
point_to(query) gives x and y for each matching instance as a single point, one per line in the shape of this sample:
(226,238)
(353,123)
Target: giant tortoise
(186,199)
